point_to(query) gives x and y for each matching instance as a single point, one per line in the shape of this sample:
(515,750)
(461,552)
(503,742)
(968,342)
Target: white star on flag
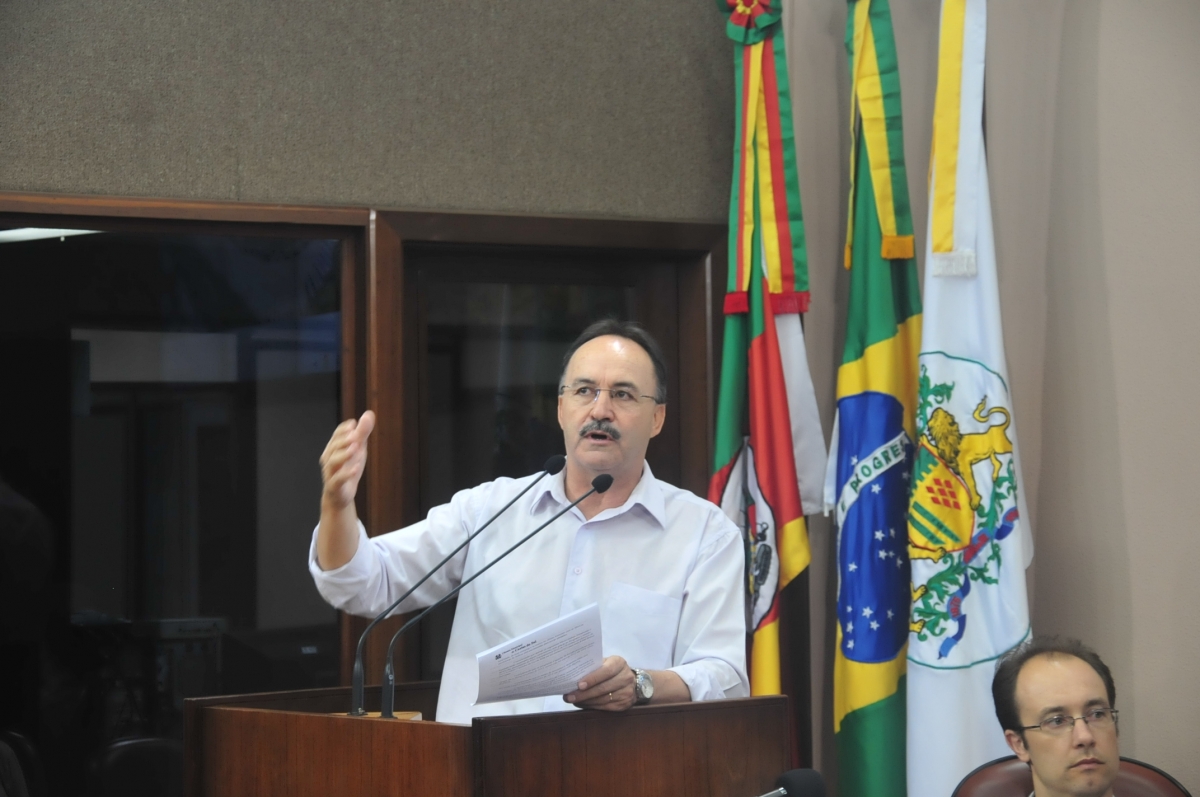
(852,567)
(879,535)
(850,644)
(883,554)
(875,488)
(891,614)
(874,626)
(850,627)
(867,612)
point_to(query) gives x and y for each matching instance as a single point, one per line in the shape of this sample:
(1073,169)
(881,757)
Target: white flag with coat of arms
(969,539)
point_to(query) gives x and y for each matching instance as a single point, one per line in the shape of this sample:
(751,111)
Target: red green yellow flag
(763,478)
(766,192)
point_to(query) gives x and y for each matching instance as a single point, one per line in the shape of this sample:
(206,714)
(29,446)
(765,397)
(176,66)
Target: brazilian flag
(871,465)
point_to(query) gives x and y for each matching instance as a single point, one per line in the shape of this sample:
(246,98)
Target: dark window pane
(167,397)
(494,358)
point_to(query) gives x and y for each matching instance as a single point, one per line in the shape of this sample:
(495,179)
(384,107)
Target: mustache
(600,426)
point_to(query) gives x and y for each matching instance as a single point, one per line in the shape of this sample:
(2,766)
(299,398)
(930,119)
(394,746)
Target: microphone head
(555,464)
(602,482)
(802,783)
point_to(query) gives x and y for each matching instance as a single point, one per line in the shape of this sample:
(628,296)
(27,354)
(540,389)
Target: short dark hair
(629,330)
(1004,683)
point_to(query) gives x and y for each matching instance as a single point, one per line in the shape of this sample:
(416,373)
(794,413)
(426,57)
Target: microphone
(552,467)
(798,783)
(387,694)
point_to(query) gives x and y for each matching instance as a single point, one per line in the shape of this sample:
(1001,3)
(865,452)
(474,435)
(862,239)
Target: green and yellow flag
(870,467)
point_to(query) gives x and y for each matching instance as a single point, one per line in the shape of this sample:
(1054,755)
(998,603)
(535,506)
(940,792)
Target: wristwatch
(643,686)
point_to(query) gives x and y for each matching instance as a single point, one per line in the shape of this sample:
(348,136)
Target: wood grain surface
(721,748)
(285,744)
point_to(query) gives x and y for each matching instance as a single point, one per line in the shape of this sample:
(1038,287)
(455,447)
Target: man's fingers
(342,482)
(348,434)
(602,689)
(618,699)
(611,667)
(614,676)
(338,439)
(351,430)
(611,704)
(342,472)
(366,425)
(340,458)
(345,456)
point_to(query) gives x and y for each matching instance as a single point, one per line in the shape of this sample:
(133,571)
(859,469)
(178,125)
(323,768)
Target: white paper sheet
(546,661)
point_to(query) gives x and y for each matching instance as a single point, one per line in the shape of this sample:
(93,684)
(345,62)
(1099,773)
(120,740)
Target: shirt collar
(647,494)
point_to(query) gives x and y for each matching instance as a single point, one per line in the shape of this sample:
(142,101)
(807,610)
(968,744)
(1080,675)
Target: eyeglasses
(1100,718)
(583,395)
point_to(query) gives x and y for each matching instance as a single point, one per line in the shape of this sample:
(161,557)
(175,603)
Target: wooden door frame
(378,357)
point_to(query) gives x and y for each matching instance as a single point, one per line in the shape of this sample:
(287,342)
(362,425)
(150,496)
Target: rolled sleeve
(383,568)
(711,647)
(711,680)
(344,587)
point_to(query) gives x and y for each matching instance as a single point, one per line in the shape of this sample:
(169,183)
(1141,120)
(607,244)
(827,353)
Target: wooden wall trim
(696,400)
(391,480)
(411,225)
(178,209)
(516,230)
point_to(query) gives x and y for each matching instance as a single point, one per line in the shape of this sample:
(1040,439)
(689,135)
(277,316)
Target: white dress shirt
(666,568)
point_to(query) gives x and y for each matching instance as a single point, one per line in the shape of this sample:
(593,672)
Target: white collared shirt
(666,568)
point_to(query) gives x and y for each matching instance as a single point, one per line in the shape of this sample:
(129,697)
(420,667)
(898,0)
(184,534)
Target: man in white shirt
(1054,698)
(665,566)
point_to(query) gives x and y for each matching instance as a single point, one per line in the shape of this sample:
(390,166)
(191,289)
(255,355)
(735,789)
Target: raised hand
(344,459)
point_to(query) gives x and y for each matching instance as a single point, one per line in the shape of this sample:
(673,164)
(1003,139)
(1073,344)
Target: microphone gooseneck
(358,678)
(388,691)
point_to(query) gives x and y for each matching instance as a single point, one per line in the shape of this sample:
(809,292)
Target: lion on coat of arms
(961,452)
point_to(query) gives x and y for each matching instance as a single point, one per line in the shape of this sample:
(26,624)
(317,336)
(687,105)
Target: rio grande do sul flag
(764,479)
(968,535)
(870,466)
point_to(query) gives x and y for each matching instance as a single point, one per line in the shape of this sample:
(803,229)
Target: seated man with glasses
(665,566)
(1054,698)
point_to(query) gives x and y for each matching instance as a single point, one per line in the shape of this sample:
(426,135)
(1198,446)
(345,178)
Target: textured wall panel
(587,107)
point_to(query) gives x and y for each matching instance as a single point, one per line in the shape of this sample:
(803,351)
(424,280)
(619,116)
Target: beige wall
(1117,542)
(588,108)
(1092,120)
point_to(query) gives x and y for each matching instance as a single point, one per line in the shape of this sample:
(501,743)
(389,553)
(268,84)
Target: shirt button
(578,570)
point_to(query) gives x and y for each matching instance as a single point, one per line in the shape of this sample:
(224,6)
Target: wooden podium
(297,744)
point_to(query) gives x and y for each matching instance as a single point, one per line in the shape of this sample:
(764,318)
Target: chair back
(1139,779)
(1009,777)
(147,767)
(1004,777)
(28,760)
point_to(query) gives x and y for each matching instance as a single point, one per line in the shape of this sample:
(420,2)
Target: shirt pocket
(640,625)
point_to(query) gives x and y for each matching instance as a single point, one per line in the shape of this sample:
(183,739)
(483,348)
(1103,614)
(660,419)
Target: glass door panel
(164,403)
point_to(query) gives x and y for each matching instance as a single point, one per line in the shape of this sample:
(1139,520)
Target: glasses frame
(1069,728)
(562,391)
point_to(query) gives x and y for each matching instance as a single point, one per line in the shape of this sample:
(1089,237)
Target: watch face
(645,686)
